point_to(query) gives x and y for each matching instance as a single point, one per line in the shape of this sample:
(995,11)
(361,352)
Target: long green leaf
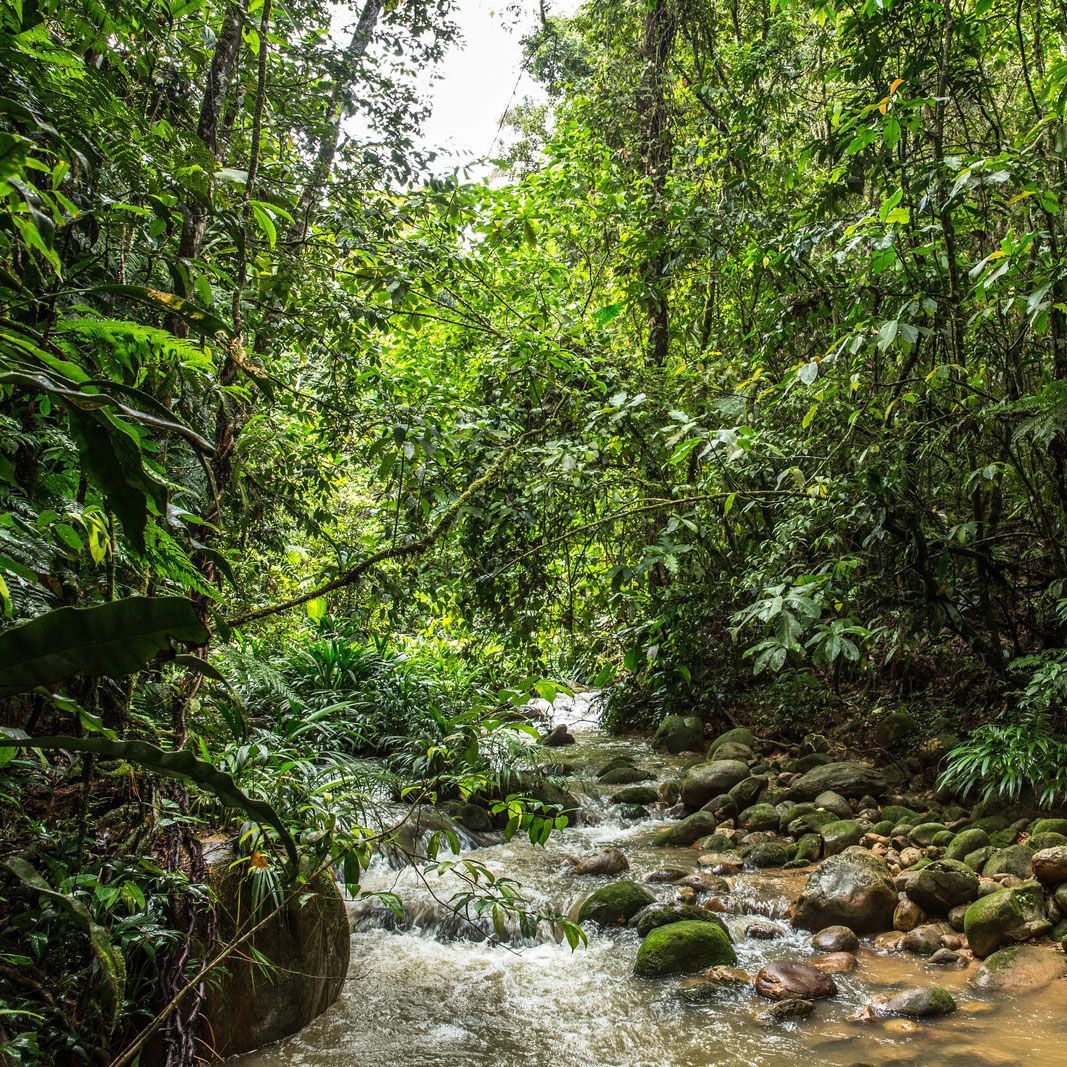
(179,764)
(113,639)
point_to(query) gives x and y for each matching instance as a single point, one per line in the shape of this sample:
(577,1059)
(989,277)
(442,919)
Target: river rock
(1016,860)
(947,957)
(625,776)
(721,862)
(735,750)
(309,940)
(833,802)
(758,817)
(723,807)
(686,831)
(1020,968)
(707,780)
(679,733)
(663,914)
(835,962)
(835,939)
(606,861)
(615,904)
(924,833)
(1050,865)
(786,1011)
(923,940)
(851,889)
(920,1003)
(763,931)
(810,823)
(966,842)
(739,735)
(705,882)
(809,849)
(666,874)
(907,914)
(943,885)
(766,855)
(849,779)
(1004,917)
(838,835)
(683,947)
(1049,826)
(638,794)
(748,789)
(783,980)
(558,736)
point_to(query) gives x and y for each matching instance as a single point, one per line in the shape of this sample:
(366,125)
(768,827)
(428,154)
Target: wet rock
(943,885)
(785,1011)
(727,975)
(761,931)
(920,1003)
(956,917)
(766,855)
(1049,826)
(666,874)
(835,962)
(707,780)
(907,915)
(1004,917)
(966,842)
(1016,860)
(848,779)
(748,789)
(734,750)
(679,733)
(895,727)
(558,737)
(739,735)
(660,914)
(705,882)
(833,802)
(716,843)
(758,817)
(638,794)
(924,833)
(835,939)
(1050,865)
(839,835)
(851,889)
(1040,842)
(625,776)
(783,980)
(924,940)
(615,904)
(683,947)
(684,832)
(606,861)
(723,807)
(721,862)
(947,957)
(310,941)
(1020,968)
(809,849)
(471,817)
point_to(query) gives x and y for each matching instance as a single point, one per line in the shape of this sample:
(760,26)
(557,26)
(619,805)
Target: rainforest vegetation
(737,387)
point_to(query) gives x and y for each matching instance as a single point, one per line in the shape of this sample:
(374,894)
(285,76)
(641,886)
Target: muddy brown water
(430,994)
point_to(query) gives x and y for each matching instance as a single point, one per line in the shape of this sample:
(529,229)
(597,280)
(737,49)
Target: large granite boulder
(707,780)
(852,889)
(847,779)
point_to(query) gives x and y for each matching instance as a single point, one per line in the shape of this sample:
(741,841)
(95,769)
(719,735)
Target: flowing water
(427,993)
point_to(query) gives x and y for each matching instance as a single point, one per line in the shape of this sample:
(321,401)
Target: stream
(427,994)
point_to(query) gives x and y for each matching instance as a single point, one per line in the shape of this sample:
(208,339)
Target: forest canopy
(739,386)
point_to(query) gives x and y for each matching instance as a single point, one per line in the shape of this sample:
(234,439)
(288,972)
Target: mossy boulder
(1005,917)
(1049,826)
(924,833)
(748,789)
(828,800)
(852,889)
(966,842)
(1004,838)
(625,776)
(943,885)
(767,854)
(308,940)
(615,904)
(661,914)
(898,813)
(682,948)
(686,831)
(920,1003)
(849,779)
(707,780)
(895,727)
(679,733)
(758,817)
(809,849)
(1046,839)
(838,835)
(1020,968)
(638,794)
(738,736)
(811,823)
(1017,860)
(735,750)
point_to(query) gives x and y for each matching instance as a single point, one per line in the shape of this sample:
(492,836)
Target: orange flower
(259,860)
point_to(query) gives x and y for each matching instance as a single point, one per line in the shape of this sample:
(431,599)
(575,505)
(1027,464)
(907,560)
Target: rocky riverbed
(743,905)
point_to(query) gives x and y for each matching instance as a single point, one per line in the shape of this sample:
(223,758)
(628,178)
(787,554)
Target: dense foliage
(747,363)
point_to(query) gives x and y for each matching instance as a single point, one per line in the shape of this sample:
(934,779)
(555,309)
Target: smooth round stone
(786,1011)
(835,963)
(762,931)
(782,980)
(835,939)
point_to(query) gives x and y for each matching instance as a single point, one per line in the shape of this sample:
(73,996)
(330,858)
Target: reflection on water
(416,998)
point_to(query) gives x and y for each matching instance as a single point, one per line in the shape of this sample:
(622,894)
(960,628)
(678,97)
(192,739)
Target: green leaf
(113,639)
(197,319)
